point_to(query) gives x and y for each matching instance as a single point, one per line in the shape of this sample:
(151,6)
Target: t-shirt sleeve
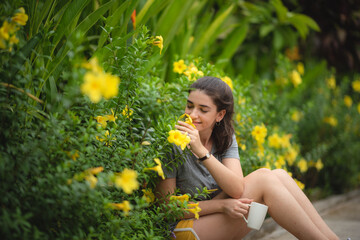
(232,151)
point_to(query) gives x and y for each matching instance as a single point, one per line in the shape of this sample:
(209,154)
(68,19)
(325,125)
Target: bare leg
(264,186)
(220,226)
(304,202)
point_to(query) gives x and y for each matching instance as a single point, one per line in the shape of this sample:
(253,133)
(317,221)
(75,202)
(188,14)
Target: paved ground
(341,213)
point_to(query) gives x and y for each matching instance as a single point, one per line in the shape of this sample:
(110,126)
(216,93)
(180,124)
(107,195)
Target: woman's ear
(220,115)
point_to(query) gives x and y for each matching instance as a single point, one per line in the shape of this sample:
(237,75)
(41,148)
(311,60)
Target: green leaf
(112,21)
(280,9)
(151,8)
(308,21)
(25,51)
(38,15)
(122,30)
(232,44)
(171,20)
(213,30)
(70,15)
(82,28)
(265,29)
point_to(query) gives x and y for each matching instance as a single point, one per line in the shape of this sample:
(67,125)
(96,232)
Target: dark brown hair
(223,98)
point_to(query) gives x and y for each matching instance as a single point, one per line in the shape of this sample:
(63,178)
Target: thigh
(219,226)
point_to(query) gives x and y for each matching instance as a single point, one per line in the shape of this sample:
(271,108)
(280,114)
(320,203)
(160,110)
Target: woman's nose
(193,114)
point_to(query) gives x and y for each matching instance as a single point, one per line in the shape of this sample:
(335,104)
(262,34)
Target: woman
(214,163)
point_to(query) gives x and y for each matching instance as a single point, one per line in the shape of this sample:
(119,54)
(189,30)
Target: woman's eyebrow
(201,105)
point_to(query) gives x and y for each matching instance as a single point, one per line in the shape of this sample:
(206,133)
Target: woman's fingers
(242,211)
(185,124)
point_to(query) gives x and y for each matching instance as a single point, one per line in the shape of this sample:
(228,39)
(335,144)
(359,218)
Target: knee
(263,174)
(280,173)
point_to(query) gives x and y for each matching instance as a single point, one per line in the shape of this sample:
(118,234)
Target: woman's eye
(204,111)
(188,106)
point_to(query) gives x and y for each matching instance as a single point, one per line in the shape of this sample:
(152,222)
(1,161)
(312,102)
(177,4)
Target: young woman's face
(202,110)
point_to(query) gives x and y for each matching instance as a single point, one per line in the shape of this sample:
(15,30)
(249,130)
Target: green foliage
(60,168)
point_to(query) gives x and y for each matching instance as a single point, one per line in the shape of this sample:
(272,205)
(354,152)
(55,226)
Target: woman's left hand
(196,146)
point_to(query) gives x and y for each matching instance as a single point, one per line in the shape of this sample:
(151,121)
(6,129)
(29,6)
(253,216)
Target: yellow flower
(195,210)
(238,117)
(125,206)
(280,162)
(192,72)
(92,87)
(228,81)
(331,82)
(319,165)
(275,141)
(148,195)
(296,116)
(93,65)
(356,85)
(91,179)
(331,121)
(300,68)
(111,85)
(108,140)
(111,117)
(145,143)
(20,17)
(300,184)
(159,42)
(75,155)
(95,170)
(5,31)
(157,168)
(295,78)
(242,146)
(181,198)
(179,66)
(241,100)
(88,175)
(179,139)
(302,165)
(127,112)
(188,119)
(259,133)
(260,150)
(127,180)
(102,121)
(291,156)
(348,101)
(14,40)
(267,165)
(97,83)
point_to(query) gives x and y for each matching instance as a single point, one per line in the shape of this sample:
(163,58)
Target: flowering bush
(86,121)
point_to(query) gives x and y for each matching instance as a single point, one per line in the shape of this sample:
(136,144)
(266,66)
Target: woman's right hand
(236,208)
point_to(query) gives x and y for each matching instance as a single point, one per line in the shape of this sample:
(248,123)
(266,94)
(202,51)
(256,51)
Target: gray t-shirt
(191,175)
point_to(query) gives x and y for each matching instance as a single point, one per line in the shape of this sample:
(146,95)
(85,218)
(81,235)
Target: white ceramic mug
(256,215)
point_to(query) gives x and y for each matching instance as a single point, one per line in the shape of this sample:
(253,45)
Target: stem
(8,85)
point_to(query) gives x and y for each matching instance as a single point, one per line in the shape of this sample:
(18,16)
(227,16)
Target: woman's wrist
(202,153)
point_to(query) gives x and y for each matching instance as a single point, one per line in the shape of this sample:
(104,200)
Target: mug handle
(244,216)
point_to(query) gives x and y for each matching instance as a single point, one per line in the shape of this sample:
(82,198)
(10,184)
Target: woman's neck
(205,138)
